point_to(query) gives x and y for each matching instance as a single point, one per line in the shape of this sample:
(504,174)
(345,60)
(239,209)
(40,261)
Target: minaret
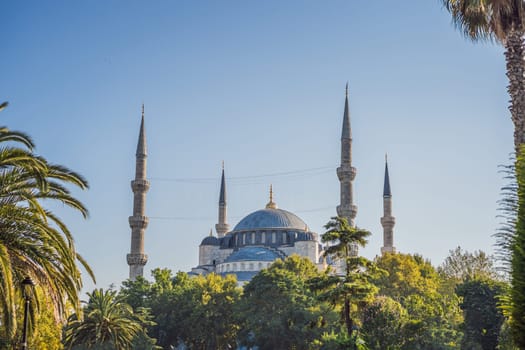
(139,221)
(388,221)
(222,226)
(346,172)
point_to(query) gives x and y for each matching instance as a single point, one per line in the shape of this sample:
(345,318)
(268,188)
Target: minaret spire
(139,221)
(387,221)
(346,172)
(222,226)
(347,131)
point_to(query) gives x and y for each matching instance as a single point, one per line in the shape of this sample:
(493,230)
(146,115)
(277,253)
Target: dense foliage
(517,291)
(413,306)
(279,310)
(396,302)
(107,321)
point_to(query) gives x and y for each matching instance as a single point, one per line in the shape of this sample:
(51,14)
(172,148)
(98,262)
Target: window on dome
(273,237)
(251,266)
(263,237)
(253,237)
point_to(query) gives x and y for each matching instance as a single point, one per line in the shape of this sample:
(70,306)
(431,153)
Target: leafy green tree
(197,311)
(136,293)
(213,322)
(354,287)
(433,317)
(172,304)
(462,265)
(34,241)
(483,318)
(383,324)
(406,275)
(480,287)
(279,310)
(107,322)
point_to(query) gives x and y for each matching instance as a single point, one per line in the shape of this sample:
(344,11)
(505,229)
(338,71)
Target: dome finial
(271,204)
(211,232)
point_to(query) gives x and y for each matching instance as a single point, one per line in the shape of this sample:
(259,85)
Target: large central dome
(270,218)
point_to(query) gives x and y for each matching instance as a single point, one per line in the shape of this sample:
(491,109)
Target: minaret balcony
(140,185)
(388,221)
(347,211)
(137,259)
(222,228)
(388,250)
(138,222)
(345,172)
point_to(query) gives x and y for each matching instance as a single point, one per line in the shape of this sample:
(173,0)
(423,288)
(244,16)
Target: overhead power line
(201,218)
(250,179)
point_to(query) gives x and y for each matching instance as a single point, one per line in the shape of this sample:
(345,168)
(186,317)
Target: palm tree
(34,241)
(354,286)
(504,22)
(108,321)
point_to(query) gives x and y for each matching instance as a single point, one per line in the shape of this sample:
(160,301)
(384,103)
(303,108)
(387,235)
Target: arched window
(260,266)
(234,267)
(284,237)
(253,237)
(263,237)
(273,237)
(251,266)
(242,267)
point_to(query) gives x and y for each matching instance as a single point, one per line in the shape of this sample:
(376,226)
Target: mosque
(260,237)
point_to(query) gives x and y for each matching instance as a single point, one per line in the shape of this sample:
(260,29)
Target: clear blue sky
(260,85)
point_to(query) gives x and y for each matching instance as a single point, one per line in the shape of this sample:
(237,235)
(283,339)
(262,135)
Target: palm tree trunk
(514,57)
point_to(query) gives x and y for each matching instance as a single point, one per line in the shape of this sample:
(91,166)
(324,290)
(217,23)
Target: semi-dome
(210,240)
(270,218)
(253,254)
